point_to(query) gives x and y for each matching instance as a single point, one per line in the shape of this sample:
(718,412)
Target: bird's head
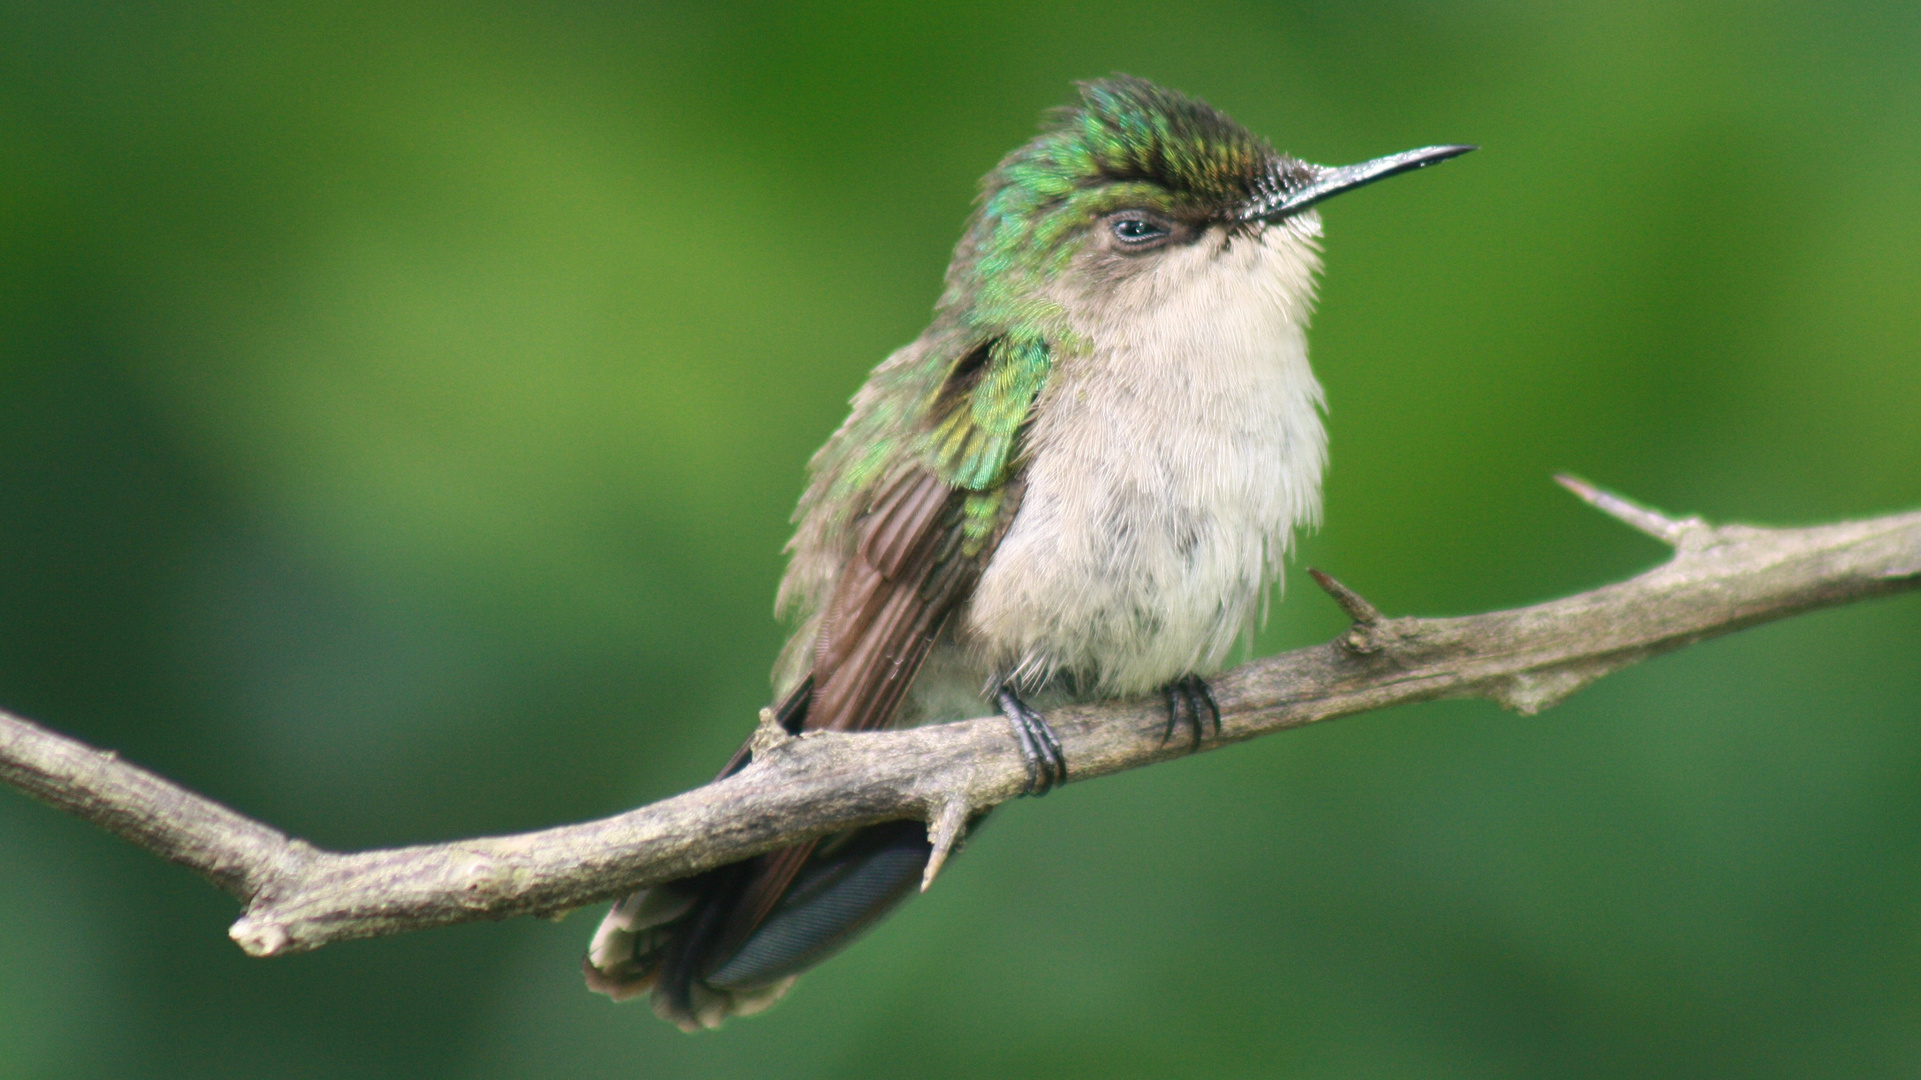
(1137,179)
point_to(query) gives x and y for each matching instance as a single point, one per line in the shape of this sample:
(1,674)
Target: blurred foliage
(401,405)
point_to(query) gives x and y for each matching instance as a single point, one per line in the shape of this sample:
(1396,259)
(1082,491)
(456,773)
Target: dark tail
(846,884)
(731,941)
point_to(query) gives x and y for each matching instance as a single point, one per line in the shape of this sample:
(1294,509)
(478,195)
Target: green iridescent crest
(1129,143)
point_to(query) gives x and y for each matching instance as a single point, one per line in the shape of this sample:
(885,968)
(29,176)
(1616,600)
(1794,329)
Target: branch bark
(300,897)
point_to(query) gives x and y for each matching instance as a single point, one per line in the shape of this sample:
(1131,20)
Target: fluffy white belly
(1168,468)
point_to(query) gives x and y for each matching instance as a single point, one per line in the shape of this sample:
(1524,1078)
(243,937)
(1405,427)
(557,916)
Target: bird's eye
(1135,230)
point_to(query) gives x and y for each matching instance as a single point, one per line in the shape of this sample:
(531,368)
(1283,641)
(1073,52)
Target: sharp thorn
(1357,608)
(943,831)
(1630,513)
(769,735)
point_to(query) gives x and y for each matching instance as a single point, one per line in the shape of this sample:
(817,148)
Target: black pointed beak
(1306,185)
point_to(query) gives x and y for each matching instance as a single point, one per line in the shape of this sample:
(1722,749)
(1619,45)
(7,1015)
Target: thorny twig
(299,897)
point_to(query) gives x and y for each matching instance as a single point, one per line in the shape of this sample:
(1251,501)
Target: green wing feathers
(973,437)
(952,405)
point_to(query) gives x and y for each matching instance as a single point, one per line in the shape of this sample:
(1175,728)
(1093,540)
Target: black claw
(1186,696)
(1194,725)
(1054,752)
(1040,749)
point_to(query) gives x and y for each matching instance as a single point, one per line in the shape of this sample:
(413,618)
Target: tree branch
(299,897)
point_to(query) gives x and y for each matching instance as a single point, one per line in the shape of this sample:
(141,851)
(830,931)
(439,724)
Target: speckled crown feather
(1129,143)
(1129,129)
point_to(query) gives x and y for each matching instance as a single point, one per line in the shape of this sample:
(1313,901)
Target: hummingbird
(1080,482)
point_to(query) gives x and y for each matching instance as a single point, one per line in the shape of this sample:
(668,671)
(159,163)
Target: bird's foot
(1186,697)
(1040,748)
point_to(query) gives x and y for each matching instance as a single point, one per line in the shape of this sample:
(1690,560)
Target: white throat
(1169,466)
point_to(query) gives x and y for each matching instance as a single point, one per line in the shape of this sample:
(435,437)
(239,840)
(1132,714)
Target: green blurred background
(401,405)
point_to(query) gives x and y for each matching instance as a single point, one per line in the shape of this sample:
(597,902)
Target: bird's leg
(1040,748)
(1188,695)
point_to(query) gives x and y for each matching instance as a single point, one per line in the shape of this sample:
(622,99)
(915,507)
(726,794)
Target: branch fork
(1674,532)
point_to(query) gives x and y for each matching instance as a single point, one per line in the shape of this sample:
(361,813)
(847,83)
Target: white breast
(1169,466)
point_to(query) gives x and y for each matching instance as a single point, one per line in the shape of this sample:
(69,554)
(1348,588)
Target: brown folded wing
(907,575)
